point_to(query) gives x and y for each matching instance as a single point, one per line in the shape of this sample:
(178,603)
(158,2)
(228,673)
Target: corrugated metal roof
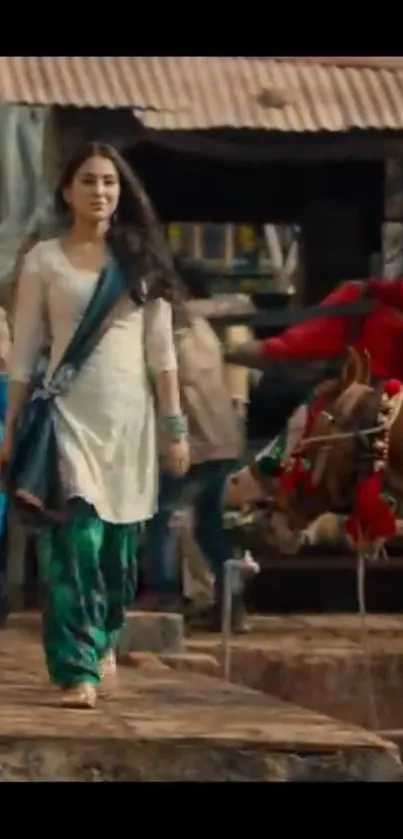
(89,82)
(385,61)
(228,92)
(276,94)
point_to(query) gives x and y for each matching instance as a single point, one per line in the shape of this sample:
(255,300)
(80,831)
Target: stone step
(206,665)
(169,725)
(153,632)
(193,662)
(146,662)
(336,625)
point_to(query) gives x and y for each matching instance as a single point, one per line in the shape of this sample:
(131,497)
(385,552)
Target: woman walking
(105,423)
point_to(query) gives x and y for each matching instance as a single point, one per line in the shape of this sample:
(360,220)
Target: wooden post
(283,250)
(51,148)
(392,228)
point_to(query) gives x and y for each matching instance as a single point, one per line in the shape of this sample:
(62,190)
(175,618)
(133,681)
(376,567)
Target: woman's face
(93,194)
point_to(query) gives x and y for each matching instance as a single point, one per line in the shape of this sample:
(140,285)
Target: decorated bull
(318,461)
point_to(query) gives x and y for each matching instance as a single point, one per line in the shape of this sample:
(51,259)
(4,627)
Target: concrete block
(153,632)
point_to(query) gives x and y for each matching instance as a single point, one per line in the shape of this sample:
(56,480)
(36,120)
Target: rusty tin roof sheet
(183,93)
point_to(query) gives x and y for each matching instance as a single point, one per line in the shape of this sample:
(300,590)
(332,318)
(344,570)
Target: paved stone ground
(169,725)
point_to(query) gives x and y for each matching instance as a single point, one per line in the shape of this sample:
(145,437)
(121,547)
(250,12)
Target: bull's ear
(352,371)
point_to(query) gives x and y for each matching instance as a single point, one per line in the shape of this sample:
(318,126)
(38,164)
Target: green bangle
(175,425)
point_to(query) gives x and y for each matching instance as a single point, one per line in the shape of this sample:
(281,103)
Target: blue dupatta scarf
(32,476)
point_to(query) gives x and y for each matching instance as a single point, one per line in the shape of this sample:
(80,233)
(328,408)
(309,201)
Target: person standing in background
(198,581)
(215,418)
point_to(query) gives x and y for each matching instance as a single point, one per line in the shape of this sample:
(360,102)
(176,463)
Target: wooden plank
(266,146)
(392,228)
(393,189)
(326,563)
(392,250)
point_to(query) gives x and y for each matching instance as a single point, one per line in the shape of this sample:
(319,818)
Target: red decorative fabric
(372,518)
(392,388)
(327,336)
(297,475)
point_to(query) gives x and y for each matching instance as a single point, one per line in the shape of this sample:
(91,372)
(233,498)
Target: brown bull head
(332,462)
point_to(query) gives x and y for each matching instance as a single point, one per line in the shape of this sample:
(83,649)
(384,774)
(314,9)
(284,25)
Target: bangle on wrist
(175,426)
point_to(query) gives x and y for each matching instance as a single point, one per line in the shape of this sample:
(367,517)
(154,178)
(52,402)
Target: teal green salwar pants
(88,573)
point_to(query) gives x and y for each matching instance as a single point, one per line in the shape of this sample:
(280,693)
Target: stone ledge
(153,632)
(194,663)
(184,760)
(148,662)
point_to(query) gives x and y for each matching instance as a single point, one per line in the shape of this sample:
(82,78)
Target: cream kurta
(106,422)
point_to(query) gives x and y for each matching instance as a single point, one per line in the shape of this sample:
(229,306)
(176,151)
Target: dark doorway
(338,205)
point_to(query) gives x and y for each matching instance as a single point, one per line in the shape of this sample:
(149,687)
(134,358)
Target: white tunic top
(106,421)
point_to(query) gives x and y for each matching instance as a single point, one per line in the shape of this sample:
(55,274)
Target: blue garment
(161,540)
(3,497)
(202,488)
(3,397)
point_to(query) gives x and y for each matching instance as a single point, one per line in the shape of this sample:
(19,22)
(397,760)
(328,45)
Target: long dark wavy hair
(135,236)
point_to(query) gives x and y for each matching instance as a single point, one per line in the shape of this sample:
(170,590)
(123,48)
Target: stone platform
(170,725)
(319,662)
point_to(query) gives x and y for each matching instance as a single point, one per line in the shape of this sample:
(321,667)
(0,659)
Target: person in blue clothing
(4,353)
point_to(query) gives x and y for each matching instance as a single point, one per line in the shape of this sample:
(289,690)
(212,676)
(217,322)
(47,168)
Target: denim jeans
(202,489)
(162,571)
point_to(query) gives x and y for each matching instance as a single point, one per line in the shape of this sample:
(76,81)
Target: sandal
(108,672)
(83,695)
